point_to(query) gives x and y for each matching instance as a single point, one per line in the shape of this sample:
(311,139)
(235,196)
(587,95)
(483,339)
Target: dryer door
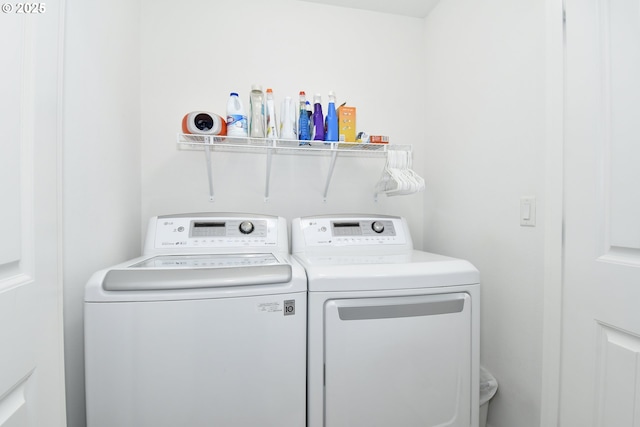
(398,361)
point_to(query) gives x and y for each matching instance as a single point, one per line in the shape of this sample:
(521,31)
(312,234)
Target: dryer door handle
(388,308)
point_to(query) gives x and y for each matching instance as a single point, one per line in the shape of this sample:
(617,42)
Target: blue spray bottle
(331,121)
(303,121)
(310,115)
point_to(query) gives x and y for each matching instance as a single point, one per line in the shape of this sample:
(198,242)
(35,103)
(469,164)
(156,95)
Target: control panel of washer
(207,261)
(353,231)
(215,232)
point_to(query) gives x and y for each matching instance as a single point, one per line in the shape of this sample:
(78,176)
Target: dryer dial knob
(377,226)
(246,227)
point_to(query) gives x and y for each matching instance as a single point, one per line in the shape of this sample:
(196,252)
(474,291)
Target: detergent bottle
(236,117)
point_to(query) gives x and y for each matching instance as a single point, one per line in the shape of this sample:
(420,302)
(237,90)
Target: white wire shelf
(270,146)
(299,147)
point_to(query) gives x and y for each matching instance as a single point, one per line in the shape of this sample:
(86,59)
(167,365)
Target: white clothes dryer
(207,328)
(393,332)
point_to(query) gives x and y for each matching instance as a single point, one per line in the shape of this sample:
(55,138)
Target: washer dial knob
(246,227)
(377,226)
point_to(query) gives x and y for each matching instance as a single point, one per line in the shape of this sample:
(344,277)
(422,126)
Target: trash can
(488,388)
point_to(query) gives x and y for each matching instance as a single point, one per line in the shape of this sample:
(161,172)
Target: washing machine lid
(414,269)
(195,276)
(172,272)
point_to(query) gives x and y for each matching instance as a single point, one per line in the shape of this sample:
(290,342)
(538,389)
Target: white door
(31,363)
(600,376)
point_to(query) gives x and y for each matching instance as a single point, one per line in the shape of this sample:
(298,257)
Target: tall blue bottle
(303,122)
(318,119)
(331,121)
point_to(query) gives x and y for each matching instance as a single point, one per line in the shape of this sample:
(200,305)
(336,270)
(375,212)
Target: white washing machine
(393,332)
(208,328)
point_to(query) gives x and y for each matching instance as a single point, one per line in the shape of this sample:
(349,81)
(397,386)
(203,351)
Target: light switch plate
(528,211)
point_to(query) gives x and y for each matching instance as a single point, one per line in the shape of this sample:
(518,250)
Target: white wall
(101,161)
(194,53)
(485,127)
(466,90)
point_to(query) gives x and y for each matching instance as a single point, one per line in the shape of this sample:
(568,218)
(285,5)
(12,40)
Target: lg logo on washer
(289,307)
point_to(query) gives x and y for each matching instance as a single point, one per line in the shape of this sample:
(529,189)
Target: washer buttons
(246,227)
(377,226)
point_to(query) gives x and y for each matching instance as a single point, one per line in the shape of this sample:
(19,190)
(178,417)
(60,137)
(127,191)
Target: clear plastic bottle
(318,118)
(310,116)
(257,116)
(236,116)
(272,128)
(331,121)
(288,118)
(303,121)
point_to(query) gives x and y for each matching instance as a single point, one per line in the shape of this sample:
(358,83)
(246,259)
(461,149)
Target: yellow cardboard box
(347,124)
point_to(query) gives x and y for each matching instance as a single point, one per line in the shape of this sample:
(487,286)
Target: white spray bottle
(288,119)
(272,129)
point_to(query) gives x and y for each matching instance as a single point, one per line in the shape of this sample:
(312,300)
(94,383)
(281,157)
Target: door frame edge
(554,214)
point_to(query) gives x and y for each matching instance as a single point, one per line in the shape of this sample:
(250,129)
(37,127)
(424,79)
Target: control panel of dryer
(353,231)
(214,232)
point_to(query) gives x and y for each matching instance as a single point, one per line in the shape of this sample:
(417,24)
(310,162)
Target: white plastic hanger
(397,177)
